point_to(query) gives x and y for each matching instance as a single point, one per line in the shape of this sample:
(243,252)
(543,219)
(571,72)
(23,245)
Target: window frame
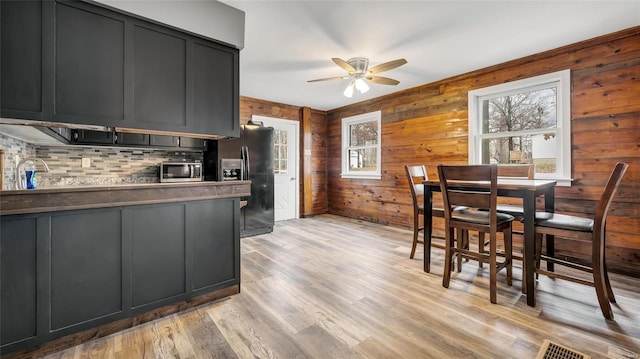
(346,125)
(561,80)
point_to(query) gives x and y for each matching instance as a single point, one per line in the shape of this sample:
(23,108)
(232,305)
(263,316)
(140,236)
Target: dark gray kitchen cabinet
(91,137)
(215,89)
(85,267)
(89,65)
(158,253)
(21,59)
(164,141)
(82,63)
(68,271)
(215,261)
(18,281)
(159,86)
(132,139)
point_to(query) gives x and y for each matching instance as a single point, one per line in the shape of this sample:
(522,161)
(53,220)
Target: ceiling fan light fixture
(361,85)
(348,92)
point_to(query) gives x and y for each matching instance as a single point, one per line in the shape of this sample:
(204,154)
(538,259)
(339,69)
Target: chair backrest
(471,186)
(415,175)
(517,171)
(604,203)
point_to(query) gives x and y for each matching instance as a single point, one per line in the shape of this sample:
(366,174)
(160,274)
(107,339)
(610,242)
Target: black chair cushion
(563,221)
(480,217)
(516,211)
(439,212)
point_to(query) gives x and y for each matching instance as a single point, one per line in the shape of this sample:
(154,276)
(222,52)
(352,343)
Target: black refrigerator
(255,148)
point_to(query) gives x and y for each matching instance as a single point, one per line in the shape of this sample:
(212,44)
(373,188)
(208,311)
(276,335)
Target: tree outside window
(526,121)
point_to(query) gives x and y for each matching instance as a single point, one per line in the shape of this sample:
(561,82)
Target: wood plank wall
(428,124)
(317,168)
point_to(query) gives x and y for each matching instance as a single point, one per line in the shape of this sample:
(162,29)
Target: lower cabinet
(64,272)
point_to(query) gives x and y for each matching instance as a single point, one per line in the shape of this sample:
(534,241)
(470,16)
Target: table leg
(428,219)
(528,265)
(549,205)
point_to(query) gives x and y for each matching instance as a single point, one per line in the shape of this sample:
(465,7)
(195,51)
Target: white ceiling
(290,42)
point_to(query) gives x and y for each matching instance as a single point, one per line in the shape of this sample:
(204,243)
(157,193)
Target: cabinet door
(92,137)
(21,58)
(89,65)
(86,267)
(215,94)
(18,270)
(213,231)
(158,253)
(193,143)
(132,139)
(159,87)
(163,141)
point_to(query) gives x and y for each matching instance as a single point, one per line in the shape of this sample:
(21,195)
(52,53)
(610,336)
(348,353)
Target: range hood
(41,132)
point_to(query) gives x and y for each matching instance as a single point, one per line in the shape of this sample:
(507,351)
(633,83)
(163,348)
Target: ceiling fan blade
(386,66)
(330,78)
(382,80)
(343,64)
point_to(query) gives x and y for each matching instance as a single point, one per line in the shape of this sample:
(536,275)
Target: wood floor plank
(332,287)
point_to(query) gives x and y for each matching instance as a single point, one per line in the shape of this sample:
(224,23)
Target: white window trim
(346,122)
(562,81)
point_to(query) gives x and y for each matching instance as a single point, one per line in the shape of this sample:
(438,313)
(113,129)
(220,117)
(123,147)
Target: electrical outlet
(86,162)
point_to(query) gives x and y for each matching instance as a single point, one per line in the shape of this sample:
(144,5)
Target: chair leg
(508,254)
(601,292)
(493,263)
(461,238)
(550,250)
(538,251)
(448,257)
(612,298)
(480,246)
(416,225)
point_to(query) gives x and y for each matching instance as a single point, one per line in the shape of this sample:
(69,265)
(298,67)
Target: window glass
(361,146)
(280,153)
(526,121)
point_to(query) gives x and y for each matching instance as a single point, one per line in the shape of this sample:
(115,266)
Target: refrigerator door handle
(246,151)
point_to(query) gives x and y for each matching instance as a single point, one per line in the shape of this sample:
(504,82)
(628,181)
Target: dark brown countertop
(84,197)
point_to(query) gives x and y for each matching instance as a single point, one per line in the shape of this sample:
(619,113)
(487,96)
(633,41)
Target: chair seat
(439,212)
(563,221)
(516,211)
(480,217)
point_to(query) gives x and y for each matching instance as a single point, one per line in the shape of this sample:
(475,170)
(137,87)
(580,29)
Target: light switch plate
(86,162)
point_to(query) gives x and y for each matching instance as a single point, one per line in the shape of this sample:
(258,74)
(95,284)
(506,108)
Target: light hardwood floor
(331,287)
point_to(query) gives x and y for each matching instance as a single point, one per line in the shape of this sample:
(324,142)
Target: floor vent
(551,350)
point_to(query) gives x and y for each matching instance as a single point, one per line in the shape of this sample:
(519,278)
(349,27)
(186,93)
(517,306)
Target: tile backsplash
(108,165)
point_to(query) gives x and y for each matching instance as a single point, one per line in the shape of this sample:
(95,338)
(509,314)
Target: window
(525,121)
(280,153)
(361,146)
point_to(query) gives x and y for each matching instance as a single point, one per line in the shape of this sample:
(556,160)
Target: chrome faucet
(20,182)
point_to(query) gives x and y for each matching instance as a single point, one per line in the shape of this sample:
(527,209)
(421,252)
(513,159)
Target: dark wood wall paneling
(428,124)
(313,179)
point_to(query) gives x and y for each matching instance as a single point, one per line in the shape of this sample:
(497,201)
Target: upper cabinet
(81,63)
(89,65)
(21,59)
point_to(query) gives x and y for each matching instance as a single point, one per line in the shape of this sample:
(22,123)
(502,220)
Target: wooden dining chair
(474,186)
(554,225)
(517,171)
(416,174)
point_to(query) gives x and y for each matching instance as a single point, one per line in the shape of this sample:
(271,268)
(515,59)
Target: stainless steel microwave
(180,172)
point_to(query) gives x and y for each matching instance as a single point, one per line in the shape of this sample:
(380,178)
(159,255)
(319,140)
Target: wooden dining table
(526,189)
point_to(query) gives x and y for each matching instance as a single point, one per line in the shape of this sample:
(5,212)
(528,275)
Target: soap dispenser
(30,174)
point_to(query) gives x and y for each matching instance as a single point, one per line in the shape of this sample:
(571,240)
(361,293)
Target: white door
(285,166)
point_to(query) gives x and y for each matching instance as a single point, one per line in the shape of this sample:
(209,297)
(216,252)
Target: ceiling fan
(359,73)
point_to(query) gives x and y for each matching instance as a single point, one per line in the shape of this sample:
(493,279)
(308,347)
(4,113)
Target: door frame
(270,121)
